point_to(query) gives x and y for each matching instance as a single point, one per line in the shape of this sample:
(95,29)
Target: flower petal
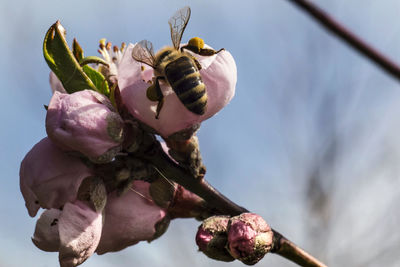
(46,236)
(84,121)
(129,218)
(49,178)
(55,84)
(80,230)
(219,77)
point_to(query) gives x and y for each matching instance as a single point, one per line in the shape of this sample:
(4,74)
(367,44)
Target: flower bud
(86,122)
(212,237)
(249,238)
(49,177)
(218,74)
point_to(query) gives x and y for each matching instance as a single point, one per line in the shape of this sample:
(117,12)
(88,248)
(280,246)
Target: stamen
(140,194)
(102,43)
(118,55)
(163,176)
(111,54)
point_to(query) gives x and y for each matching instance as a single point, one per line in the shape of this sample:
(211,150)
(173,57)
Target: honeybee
(176,67)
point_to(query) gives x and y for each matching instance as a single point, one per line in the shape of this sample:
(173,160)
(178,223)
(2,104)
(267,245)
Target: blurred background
(310,141)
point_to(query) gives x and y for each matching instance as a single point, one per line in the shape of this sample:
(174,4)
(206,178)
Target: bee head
(196,43)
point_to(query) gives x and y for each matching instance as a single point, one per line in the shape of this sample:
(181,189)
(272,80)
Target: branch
(281,245)
(348,37)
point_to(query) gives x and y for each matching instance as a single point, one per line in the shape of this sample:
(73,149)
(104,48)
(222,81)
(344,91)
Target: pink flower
(77,230)
(131,218)
(85,121)
(249,238)
(219,76)
(76,216)
(74,232)
(49,178)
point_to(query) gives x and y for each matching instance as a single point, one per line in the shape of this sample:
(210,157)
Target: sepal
(62,61)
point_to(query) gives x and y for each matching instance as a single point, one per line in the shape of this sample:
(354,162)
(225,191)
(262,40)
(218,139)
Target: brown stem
(348,37)
(281,246)
(290,251)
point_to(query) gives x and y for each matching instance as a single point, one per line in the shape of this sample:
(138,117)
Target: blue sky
(298,89)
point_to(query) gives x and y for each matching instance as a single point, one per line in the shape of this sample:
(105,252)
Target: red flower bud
(249,238)
(212,237)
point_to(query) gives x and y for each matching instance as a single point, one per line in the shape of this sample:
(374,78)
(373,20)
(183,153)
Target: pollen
(197,42)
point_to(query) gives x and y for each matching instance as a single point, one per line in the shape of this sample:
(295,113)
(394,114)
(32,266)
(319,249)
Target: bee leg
(209,51)
(154,93)
(160,96)
(194,49)
(159,106)
(201,51)
(197,63)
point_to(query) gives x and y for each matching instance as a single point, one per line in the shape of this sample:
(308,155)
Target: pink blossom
(74,232)
(49,177)
(56,181)
(85,121)
(130,218)
(219,76)
(77,230)
(249,238)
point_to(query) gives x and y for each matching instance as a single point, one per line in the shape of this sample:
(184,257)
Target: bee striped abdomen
(184,78)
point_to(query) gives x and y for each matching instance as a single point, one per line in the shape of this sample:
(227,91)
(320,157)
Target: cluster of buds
(98,193)
(246,237)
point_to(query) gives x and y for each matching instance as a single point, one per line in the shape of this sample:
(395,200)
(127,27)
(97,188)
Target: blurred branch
(281,245)
(348,37)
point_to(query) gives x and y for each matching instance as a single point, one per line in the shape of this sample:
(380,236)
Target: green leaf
(98,79)
(77,50)
(62,62)
(92,60)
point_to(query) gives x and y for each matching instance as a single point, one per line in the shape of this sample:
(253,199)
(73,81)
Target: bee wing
(177,24)
(144,52)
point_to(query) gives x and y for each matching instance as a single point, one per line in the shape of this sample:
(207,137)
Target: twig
(281,245)
(348,37)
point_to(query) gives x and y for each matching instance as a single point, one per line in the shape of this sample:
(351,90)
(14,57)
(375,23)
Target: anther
(102,43)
